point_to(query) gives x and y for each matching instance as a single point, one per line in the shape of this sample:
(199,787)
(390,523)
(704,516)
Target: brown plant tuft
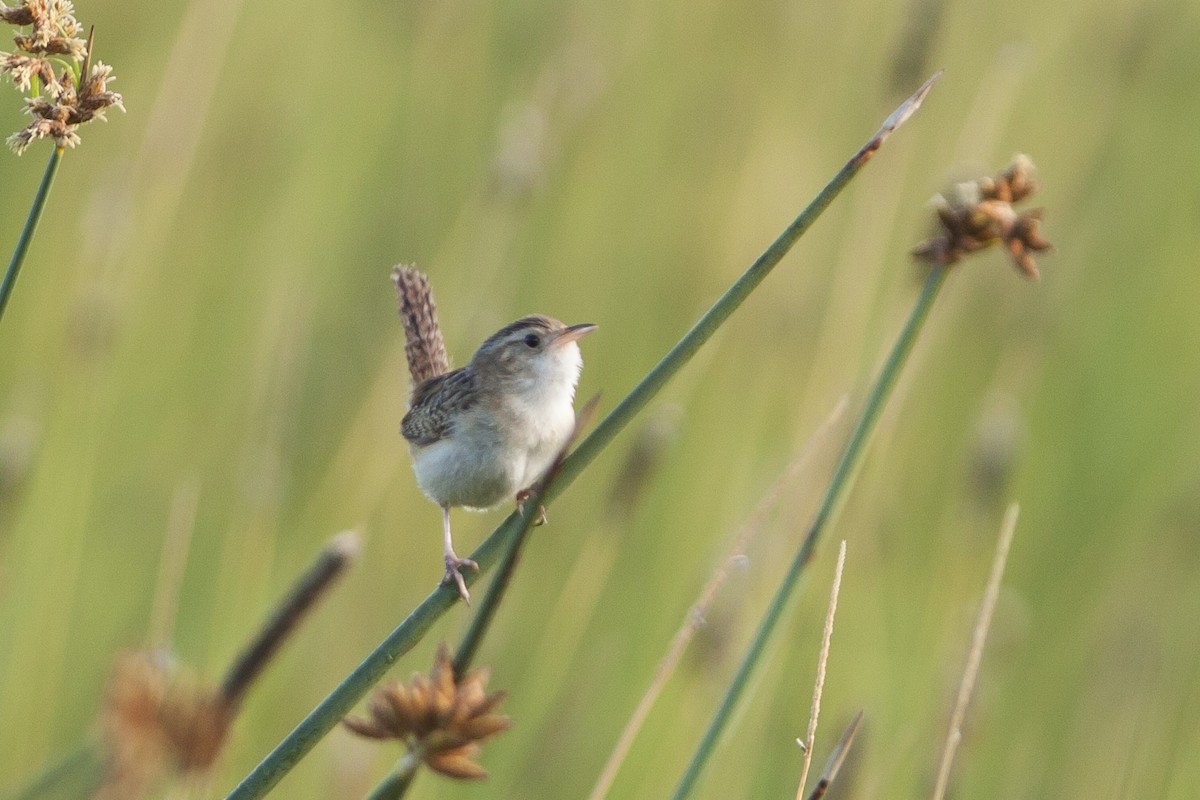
(157,720)
(60,103)
(980,213)
(440,719)
(160,723)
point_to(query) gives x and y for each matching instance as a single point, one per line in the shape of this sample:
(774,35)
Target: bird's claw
(524,495)
(454,576)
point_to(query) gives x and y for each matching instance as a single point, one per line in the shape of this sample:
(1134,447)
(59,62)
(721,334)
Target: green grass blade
(838,485)
(27,232)
(469,645)
(396,783)
(77,774)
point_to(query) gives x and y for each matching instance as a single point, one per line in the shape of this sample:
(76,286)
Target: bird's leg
(524,495)
(454,564)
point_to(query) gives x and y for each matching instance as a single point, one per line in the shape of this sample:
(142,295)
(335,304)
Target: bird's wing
(435,403)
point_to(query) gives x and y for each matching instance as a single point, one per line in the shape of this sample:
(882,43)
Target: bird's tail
(423,344)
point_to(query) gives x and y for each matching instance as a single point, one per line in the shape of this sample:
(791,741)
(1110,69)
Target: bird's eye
(532,340)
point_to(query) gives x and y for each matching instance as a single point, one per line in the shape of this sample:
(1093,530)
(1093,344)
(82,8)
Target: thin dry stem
(698,611)
(895,120)
(975,657)
(909,107)
(822,660)
(838,757)
(180,524)
(311,587)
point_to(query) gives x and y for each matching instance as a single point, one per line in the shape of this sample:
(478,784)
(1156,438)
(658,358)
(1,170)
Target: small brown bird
(490,430)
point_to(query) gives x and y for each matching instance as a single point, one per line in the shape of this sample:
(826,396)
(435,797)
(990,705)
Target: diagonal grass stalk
(983,624)
(396,782)
(469,645)
(77,774)
(27,232)
(354,686)
(833,764)
(699,610)
(93,763)
(809,741)
(838,485)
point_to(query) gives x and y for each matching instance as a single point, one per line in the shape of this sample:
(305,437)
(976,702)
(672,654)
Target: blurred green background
(206,316)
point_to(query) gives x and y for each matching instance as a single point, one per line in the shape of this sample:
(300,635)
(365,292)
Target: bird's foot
(524,495)
(454,576)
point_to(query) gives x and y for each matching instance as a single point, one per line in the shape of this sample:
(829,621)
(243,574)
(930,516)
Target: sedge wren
(490,430)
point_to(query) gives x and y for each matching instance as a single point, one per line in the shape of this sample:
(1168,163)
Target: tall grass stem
(833,764)
(983,624)
(78,773)
(693,620)
(810,737)
(839,483)
(396,782)
(301,598)
(27,232)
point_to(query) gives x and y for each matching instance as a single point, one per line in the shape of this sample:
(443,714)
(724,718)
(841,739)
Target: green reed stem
(838,484)
(31,223)
(471,640)
(355,685)
(77,774)
(396,783)
(469,645)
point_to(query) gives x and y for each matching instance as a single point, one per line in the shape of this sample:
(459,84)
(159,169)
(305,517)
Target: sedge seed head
(157,721)
(980,213)
(63,102)
(441,718)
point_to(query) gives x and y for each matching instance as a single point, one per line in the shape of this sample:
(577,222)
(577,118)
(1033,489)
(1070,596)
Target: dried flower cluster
(155,721)
(55,29)
(980,213)
(62,102)
(439,719)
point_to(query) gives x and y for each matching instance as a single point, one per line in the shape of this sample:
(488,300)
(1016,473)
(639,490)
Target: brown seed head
(437,716)
(59,113)
(51,20)
(16,15)
(60,106)
(52,46)
(980,213)
(157,721)
(23,69)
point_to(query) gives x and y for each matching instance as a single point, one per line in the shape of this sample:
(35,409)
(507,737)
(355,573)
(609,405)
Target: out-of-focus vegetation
(207,308)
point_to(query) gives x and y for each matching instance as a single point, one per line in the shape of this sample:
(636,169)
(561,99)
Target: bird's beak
(573,332)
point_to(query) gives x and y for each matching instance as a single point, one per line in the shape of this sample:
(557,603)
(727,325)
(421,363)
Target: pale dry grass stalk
(699,610)
(823,659)
(180,524)
(975,657)
(838,757)
(841,479)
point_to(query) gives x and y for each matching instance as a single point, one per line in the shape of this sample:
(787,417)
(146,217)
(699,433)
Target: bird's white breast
(503,446)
